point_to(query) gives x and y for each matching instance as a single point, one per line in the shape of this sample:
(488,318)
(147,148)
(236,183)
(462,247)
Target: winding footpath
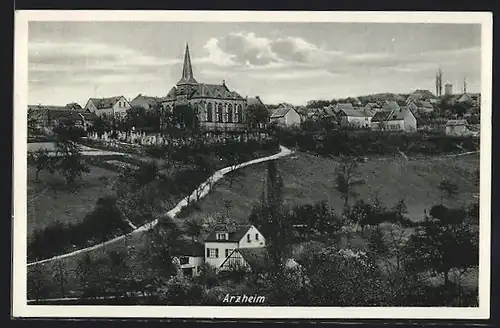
(202,190)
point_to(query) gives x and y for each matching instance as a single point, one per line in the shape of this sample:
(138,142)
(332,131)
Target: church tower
(187,70)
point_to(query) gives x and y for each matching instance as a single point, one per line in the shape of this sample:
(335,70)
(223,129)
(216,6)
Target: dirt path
(197,194)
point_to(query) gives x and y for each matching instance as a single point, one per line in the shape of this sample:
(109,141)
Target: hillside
(308,179)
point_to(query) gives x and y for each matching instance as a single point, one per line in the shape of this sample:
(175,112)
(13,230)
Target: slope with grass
(309,179)
(50,199)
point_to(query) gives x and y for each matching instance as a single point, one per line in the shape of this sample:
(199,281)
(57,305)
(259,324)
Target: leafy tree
(185,117)
(60,276)
(440,237)
(193,228)
(448,189)
(41,160)
(347,178)
(37,284)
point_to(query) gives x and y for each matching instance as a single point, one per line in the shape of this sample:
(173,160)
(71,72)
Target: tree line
(352,142)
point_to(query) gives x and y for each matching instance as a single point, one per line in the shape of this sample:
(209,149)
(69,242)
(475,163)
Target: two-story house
(112,106)
(224,239)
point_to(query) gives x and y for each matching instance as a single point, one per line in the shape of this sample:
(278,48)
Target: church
(217,106)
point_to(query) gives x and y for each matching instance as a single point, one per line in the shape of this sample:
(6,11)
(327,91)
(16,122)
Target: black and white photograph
(252,164)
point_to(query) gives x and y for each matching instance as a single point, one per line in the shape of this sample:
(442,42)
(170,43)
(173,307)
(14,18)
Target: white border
(19,304)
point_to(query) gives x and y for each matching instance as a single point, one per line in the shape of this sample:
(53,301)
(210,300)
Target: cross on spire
(187,70)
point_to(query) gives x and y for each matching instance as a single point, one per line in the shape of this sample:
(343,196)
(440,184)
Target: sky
(280,62)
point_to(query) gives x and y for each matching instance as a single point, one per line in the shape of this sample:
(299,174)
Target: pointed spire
(187,70)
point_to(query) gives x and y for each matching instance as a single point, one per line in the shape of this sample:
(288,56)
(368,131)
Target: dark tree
(41,160)
(448,189)
(347,178)
(257,115)
(440,237)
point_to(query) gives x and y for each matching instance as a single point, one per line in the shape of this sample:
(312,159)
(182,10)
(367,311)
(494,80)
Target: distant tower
(439,83)
(448,89)
(465,86)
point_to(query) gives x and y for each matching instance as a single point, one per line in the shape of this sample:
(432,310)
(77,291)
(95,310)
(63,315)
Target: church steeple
(187,70)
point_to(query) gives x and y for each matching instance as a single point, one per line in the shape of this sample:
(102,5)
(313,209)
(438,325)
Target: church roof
(187,70)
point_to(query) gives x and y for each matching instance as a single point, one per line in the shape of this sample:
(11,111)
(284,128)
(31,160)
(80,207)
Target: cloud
(74,59)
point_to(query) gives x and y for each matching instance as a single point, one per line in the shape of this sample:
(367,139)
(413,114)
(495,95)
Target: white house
(400,119)
(190,256)
(112,106)
(285,114)
(224,239)
(457,128)
(360,118)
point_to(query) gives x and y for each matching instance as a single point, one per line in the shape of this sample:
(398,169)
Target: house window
(213,253)
(184,260)
(229,251)
(249,238)
(222,236)
(209,113)
(256,236)
(230,113)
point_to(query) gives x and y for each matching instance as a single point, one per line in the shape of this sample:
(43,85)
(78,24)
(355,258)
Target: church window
(230,113)
(219,113)
(209,112)
(239,114)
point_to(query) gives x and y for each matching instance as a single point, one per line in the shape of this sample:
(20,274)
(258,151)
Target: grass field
(50,199)
(308,179)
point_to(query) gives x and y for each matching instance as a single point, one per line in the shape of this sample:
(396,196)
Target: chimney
(257,97)
(223,82)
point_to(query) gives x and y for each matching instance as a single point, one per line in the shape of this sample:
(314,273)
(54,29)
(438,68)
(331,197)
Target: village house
(359,118)
(224,239)
(190,255)
(218,107)
(285,115)
(397,119)
(420,94)
(47,117)
(108,107)
(146,102)
(457,128)
(420,106)
(373,106)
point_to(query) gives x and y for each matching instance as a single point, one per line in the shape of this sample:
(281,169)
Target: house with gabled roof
(146,102)
(224,239)
(420,106)
(355,117)
(285,115)
(396,119)
(48,116)
(110,106)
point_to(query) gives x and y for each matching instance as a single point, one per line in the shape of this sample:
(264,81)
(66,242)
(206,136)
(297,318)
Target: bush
(365,142)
